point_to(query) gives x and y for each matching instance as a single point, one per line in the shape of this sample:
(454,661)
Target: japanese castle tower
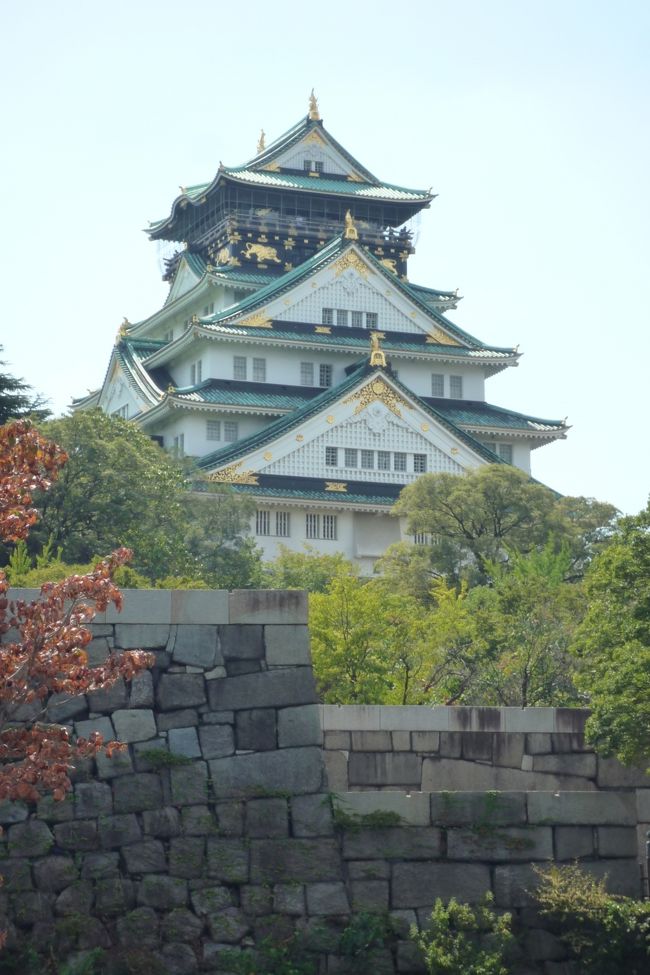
(295,359)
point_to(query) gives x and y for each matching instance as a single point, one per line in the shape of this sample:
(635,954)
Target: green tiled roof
(481,414)
(261,395)
(340,498)
(342,187)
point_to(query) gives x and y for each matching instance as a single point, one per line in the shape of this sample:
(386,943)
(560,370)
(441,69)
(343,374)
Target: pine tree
(17,400)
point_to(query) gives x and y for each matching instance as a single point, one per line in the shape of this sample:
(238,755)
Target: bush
(463,940)
(605,933)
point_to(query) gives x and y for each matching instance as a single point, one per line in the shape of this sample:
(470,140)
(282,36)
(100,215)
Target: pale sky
(529,119)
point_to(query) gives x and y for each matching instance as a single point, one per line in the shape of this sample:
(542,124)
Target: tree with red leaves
(42,652)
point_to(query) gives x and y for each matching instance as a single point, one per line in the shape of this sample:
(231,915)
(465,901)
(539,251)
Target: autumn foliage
(43,649)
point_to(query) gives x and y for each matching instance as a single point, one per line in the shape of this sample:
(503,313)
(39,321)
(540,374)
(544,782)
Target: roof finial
(377,355)
(314,114)
(351,232)
(261,143)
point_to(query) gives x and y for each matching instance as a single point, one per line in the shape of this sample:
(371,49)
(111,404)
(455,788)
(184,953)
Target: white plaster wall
(193,426)
(417,376)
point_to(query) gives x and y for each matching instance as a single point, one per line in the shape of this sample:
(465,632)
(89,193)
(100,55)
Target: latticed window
(505,452)
(456,387)
(306,373)
(383,460)
(179,445)
(263,523)
(239,367)
(357,319)
(196,370)
(328,316)
(419,463)
(331,456)
(372,319)
(399,461)
(368,460)
(231,431)
(341,316)
(123,411)
(325,375)
(282,523)
(422,538)
(329,527)
(312,526)
(259,370)
(437,384)
(213,429)
(351,457)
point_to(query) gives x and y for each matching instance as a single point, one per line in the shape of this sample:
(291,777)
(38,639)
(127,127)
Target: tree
(308,570)
(43,652)
(16,399)
(613,643)
(473,519)
(216,536)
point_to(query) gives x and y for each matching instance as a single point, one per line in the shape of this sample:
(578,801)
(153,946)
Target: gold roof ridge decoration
(377,354)
(340,487)
(314,114)
(261,142)
(378,390)
(353,261)
(351,232)
(259,320)
(233,475)
(437,337)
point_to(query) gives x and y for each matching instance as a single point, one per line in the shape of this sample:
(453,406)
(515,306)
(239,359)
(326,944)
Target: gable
(118,395)
(184,280)
(316,148)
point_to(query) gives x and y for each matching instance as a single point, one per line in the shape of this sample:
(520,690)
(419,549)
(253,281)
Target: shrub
(465,940)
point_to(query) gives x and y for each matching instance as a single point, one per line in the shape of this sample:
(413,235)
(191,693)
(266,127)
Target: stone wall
(214,830)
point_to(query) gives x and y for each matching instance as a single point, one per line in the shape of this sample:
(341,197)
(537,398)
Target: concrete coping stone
(378,717)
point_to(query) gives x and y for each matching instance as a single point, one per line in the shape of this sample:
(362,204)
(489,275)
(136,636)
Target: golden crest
(223,257)
(314,136)
(259,320)
(338,486)
(353,178)
(233,475)
(437,337)
(377,390)
(351,261)
(424,427)
(263,252)
(299,437)
(271,167)
(330,419)
(323,330)
(390,264)
(268,455)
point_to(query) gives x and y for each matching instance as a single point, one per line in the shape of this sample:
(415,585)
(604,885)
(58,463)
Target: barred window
(282,523)
(263,523)
(329,527)
(318,166)
(328,316)
(383,460)
(351,457)
(437,384)
(341,316)
(123,411)
(312,526)
(357,319)
(213,429)
(306,373)
(325,375)
(419,463)
(505,452)
(399,461)
(231,431)
(368,460)
(239,367)
(372,319)
(422,538)
(179,445)
(259,370)
(331,456)
(456,387)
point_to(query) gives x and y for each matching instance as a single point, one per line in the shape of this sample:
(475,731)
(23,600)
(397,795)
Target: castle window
(239,367)
(179,445)
(231,431)
(419,463)
(399,461)
(209,309)
(367,460)
(357,319)
(325,375)
(328,316)
(259,370)
(123,411)
(318,165)
(331,456)
(351,457)
(383,460)
(306,373)
(329,527)
(196,370)
(456,387)
(263,523)
(341,316)
(312,526)
(282,524)
(169,335)
(213,429)
(422,538)
(504,451)
(437,384)
(372,319)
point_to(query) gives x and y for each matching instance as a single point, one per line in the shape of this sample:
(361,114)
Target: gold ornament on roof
(259,320)
(351,232)
(314,114)
(390,263)
(351,261)
(378,390)
(314,136)
(338,486)
(437,337)
(261,144)
(171,389)
(377,355)
(233,475)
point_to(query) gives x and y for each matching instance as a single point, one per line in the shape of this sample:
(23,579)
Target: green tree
(17,399)
(308,569)
(613,643)
(216,535)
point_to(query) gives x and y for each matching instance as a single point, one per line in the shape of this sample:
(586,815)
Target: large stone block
(299,726)
(139,928)
(164,823)
(327,898)
(477,746)
(54,873)
(501,844)
(617,841)
(98,866)
(287,646)
(419,884)
(370,895)
(197,646)
(573,842)
(162,892)
(145,857)
(425,741)
(448,774)
(141,636)
(104,726)
(140,606)
(267,817)
(289,899)
(621,876)
(579,764)
(185,718)
(508,750)
(134,725)
(114,896)
(514,885)
(198,821)
(272,689)
(336,771)
(411,808)
(228,859)
(199,606)
(141,691)
(77,836)
(613,775)
(118,764)
(643,805)
(256,729)
(311,815)
(184,741)
(31,838)
(177,691)
(268,606)
(384,768)
(181,925)
(16,875)
(62,707)
(582,808)
(118,831)
(216,741)
(134,793)
(394,843)
(228,926)
(189,784)
(478,808)
(539,743)
(293,770)
(14,812)
(373,741)
(210,900)
(108,699)
(294,861)
(241,642)
(187,856)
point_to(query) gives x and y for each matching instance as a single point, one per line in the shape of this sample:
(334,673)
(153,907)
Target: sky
(529,119)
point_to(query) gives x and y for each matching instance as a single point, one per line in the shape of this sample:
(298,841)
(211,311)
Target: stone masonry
(215,828)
